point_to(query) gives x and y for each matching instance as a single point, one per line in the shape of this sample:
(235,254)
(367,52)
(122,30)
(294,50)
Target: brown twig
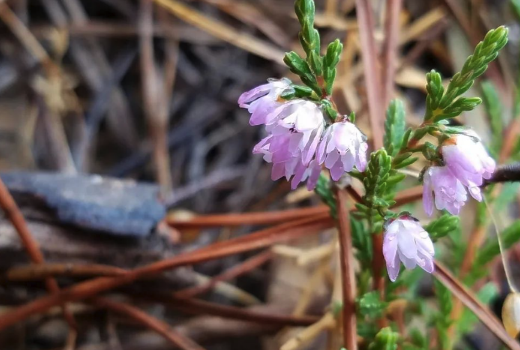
(14,215)
(472,303)
(43,271)
(261,239)
(235,271)
(274,217)
(347,272)
(156,325)
(196,307)
(239,219)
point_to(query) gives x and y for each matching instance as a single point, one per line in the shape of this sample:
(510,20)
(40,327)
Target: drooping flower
(406,241)
(444,189)
(343,146)
(263,99)
(468,161)
(294,131)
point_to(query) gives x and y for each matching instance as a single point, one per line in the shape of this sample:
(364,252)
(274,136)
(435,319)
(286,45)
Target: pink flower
(441,186)
(468,161)
(263,99)
(294,131)
(406,241)
(342,147)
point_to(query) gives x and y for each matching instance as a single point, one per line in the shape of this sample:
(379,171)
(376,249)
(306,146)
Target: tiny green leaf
(442,226)
(385,339)
(371,305)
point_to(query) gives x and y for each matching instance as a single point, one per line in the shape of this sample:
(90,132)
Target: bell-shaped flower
(406,241)
(443,188)
(263,99)
(343,146)
(295,129)
(468,161)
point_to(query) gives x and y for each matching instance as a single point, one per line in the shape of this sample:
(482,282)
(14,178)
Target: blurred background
(146,90)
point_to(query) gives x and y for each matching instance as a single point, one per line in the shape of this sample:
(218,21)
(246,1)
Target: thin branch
(200,307)
(472,303)
(156,325)
(235,271)
(347,272)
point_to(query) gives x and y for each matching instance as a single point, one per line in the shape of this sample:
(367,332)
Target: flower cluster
(466,165)
(298,141)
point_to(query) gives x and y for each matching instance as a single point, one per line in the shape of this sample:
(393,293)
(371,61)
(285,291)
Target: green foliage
(468,320)
(330,61)
(378,179)
(316,71)
(394,127)
(300,67)
(506,196)
(475,65)
(435,92)
(386,339)
(494,110)
(309,37)
(442,226)
(417,341)
(377,173)
(446,103)
(361,241)
(443,318)
(371,305)
(489,251)
(515,4)
(324,191)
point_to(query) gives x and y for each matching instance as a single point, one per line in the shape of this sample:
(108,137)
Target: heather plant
(308,139)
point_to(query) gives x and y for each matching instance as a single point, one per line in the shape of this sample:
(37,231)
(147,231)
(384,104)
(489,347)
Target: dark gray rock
(92,202)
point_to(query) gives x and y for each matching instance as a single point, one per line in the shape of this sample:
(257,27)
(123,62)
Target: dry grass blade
(372,70)
(390,48)
(158,326)
(157,121)
(347,272)
(472,303)
(223,31)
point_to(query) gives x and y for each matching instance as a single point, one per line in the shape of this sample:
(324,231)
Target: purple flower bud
(263,99)
(406,241)
(468,161)
(342,147)
(443,188)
